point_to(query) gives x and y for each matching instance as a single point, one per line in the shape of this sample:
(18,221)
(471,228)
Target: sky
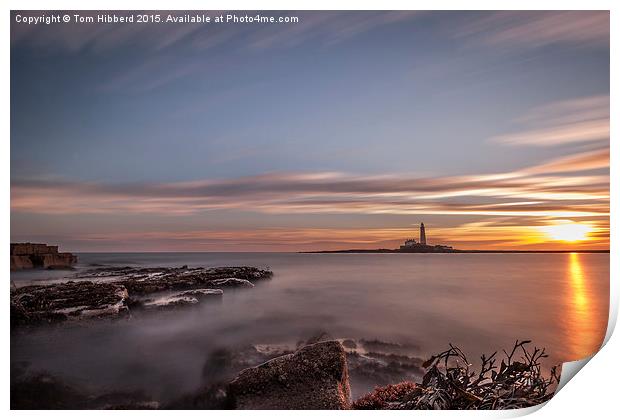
(344,130)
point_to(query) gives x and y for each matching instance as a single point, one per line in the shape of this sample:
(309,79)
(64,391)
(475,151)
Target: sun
(567,231)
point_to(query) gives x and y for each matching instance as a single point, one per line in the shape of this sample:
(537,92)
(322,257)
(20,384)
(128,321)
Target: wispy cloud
(572,121)
(328,27)
(596,159)
(534,29)
(531,192)
(527,29)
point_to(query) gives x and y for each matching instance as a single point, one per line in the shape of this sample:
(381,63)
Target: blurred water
(480,302)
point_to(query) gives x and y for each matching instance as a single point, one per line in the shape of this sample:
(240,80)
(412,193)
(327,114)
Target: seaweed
(450,383)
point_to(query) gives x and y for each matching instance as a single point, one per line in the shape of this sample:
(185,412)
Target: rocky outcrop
(28,255)
(109,292)
(64,301)
(313,378)
(142,281)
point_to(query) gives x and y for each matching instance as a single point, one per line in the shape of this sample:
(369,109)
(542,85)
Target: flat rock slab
(190,297)
(160,279)
(315,377)
(63,301)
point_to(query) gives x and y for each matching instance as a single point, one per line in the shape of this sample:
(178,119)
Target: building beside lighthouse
(411,245)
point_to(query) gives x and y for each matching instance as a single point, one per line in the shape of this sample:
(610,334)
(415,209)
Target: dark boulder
(315,377)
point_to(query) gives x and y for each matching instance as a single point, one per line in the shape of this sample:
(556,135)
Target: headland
(411,246)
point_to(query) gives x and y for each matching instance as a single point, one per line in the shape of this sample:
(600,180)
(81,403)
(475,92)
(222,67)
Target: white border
(592,395)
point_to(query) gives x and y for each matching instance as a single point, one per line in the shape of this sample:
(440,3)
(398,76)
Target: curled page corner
(570,369)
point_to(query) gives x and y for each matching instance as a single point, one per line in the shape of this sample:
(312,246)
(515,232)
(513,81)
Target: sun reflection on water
(582,326)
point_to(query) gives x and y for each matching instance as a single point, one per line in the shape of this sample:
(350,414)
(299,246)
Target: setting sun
(567,231)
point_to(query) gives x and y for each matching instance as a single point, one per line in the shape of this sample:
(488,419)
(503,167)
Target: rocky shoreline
(316,373)
(113,292)
(313,374)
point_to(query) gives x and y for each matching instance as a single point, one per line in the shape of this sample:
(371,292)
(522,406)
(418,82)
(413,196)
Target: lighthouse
(422,234)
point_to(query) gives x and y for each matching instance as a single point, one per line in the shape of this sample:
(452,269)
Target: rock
(169,302)
(63,301)
(390,396)
(314,377)
(27,255)
(230,282)
(160,279)
(21,262)
(110,291)
(190,297)
(225,363)
(201,293)
(28,248)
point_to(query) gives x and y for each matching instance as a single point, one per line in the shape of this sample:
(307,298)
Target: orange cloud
(537,191)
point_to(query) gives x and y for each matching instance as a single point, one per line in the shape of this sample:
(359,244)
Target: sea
(479,302)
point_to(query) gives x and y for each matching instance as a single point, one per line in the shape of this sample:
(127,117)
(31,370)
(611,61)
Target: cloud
(571,121)
(535,29)
(536,191)
(596,159)
(159,45)
(526,29)
(327,27)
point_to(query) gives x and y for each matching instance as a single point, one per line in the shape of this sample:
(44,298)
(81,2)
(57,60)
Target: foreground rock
(64,301)
(313,378)
(28,255)
(370,363)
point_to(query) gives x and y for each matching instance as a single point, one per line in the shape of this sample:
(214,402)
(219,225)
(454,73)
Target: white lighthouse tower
(422,234)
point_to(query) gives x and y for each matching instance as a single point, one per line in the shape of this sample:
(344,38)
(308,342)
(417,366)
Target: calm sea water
(480,302)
